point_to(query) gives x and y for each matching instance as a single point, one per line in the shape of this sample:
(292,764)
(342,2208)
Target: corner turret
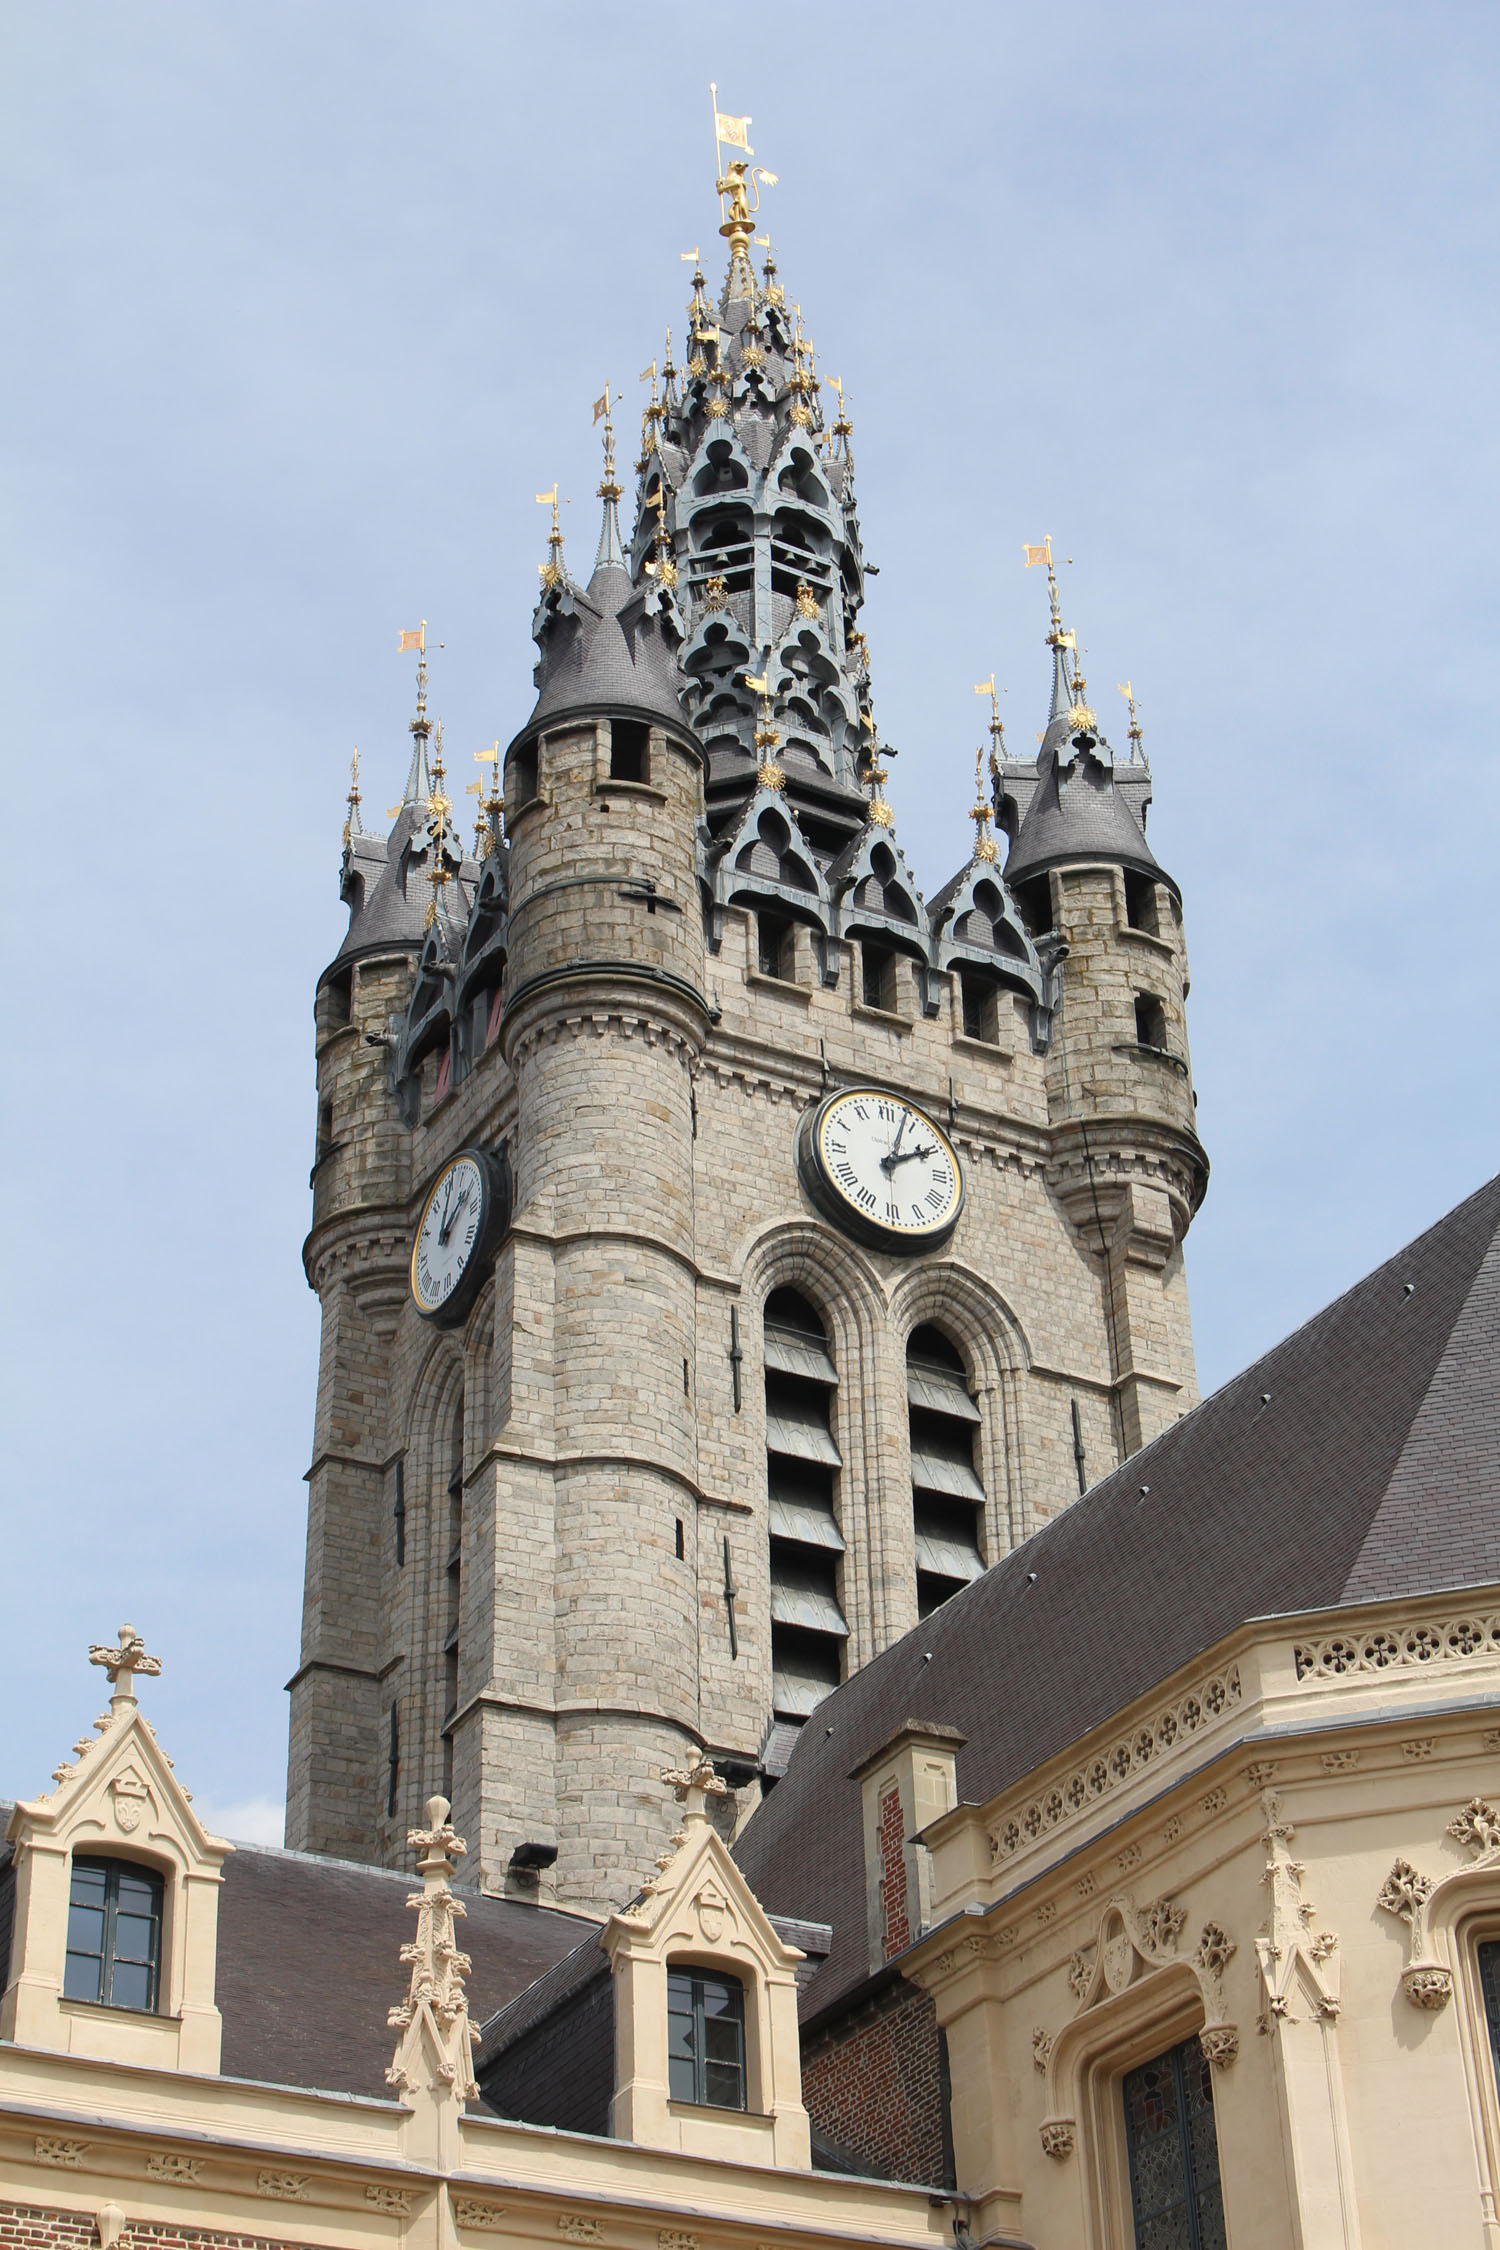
(1127,1166)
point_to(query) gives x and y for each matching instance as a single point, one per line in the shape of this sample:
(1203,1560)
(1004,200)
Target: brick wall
(874,2089)
(31,2226)
(895,1921)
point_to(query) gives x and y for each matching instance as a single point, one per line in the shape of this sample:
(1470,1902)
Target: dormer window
(114,1934)
(705,2039)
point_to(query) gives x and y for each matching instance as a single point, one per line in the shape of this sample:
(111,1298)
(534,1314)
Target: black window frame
(108,1958)
(699,2064)
(1188,2072)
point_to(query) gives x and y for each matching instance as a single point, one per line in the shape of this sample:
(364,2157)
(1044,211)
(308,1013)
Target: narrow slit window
(978,1006)
(774,946)
(1150,1020)
(877,969)
(629,750)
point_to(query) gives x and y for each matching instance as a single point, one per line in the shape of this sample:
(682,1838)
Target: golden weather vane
(1127,689)
(737,181)
(491,803)
(997,726)
(551,571)
(352,826)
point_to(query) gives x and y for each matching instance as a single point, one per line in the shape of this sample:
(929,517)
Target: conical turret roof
(608,647)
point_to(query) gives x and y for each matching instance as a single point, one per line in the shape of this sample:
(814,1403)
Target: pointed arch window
(947,1496)
(808,1630)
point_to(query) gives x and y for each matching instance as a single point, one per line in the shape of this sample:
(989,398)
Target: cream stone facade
(1291,1850)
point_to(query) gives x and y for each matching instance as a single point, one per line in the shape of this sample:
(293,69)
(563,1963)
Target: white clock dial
(447,1232)
(881,1163)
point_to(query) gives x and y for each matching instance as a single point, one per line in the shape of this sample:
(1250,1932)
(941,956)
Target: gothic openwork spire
(435,2050)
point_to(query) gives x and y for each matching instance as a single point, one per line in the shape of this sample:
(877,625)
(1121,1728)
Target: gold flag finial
(1127,689)
(353,826)
(551,571)
(997,728)
(737,181)
(487,829)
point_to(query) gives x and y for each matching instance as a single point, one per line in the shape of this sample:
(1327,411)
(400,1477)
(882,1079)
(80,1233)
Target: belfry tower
(725,1253)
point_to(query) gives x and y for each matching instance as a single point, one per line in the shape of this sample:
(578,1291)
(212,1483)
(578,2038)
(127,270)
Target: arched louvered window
(947,1497)
(802,1464)
(453,1522)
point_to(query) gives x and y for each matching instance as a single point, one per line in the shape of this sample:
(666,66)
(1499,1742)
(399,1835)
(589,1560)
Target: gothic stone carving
(1290,1953)
(1059,2136)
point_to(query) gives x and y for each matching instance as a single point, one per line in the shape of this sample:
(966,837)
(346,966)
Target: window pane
(721,2039)
(681,2082)
(725,2089)
(130,1985)
(133,1934)
(136,1896)
(85,1929)
(81,1977)
(88,1883)
(679,2035)
(719,1998)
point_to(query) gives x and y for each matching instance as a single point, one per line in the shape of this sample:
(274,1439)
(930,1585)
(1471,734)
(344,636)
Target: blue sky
(306,301)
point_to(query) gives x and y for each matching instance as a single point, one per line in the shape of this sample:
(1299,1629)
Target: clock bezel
(830,1198)
(494,1222)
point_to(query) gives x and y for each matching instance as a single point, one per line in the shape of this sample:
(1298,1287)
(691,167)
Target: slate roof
(1359,1460)
(310,1962)
(1078,813)
(607,653)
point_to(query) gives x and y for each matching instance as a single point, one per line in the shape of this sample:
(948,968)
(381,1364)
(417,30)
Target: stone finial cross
(122,1663)
(694,1785)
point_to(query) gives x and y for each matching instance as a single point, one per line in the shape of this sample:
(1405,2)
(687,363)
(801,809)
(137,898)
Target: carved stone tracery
(1409,1896)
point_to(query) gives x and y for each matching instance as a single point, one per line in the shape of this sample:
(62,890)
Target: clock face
(449,1234)
(880,1167)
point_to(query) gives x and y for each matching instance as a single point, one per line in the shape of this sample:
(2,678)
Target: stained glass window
(1174,2156)
(114,1934)
(705,2039)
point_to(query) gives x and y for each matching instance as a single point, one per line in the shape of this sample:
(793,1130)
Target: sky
(307,300)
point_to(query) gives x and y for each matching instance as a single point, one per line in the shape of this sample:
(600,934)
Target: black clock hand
(889,1163)
(450,1222)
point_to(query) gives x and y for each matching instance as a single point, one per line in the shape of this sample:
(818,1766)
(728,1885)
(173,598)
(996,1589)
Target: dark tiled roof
(609,654)
(1078,813)
(310,1962)
(1372,1470)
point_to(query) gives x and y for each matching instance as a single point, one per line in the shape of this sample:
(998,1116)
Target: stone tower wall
(657,1206)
